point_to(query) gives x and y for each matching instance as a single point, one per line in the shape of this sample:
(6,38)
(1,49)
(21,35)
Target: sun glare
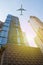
(30,36)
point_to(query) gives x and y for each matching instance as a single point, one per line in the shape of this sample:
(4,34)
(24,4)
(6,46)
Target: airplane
(21,9)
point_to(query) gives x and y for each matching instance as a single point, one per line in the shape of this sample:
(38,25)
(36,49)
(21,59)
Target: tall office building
(11,31)
(15,33)
(37,26)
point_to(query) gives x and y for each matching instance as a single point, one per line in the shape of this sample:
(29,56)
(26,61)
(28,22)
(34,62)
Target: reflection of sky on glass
(33,7)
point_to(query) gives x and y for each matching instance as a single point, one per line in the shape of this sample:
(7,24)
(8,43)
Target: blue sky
(33,7)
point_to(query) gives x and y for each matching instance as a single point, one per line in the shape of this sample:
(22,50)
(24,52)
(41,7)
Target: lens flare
(30,36)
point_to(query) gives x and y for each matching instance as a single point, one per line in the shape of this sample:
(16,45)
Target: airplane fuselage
(21,9)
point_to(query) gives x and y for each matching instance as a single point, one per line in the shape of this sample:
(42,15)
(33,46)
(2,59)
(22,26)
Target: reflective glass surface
(4,40)
(4,34)
(18,39)
(17,31)
(0,33)
(6,24)
(0,39)
(7,21)
(17,22)
(5,28)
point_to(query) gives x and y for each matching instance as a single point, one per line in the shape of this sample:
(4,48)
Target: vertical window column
(18,36)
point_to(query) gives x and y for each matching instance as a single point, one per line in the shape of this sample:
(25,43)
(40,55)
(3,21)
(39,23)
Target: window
(17,21)
(4,40)
(5,28)
(4,34)
(7,21)
(8,18)
(0,33)
(17,24)
(18,40)
(0,42)
(17,31)
(6,24)
(0,46)
(0,39)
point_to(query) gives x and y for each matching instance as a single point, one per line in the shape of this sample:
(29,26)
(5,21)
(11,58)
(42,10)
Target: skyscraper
(15,33)
(37,26)
(11,31)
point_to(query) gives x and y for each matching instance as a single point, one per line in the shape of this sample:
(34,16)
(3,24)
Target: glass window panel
(0,33)
(8,18)
(4,40)
(4,34)
(17,31)
(18,39)
(17,24)
(17,21)
(0,46)
(0,39)
(7,21)
(6,24)
(5,28)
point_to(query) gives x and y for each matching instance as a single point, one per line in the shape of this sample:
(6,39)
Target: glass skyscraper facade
(37,26)
(11,31)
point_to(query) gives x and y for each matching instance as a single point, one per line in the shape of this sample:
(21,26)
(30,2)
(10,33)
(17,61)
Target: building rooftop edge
(12,16)
(37,20)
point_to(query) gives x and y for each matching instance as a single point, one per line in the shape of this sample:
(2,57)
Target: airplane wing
(21,9)
(18,9)
(24,9)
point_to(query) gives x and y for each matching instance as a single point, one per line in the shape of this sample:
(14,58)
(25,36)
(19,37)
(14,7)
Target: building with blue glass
(11,31)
